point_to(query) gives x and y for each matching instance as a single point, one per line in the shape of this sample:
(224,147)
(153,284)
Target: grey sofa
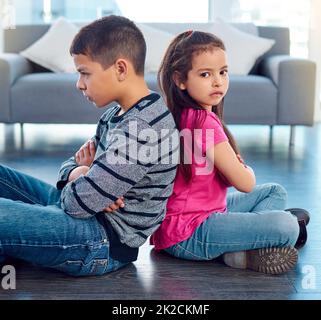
(279,90)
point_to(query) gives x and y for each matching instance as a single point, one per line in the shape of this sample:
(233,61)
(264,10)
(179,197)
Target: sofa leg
(9,141)
(292,135)
(271,131)
(22,137)
(271,136)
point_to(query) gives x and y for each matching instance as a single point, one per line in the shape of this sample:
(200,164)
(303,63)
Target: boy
(70,228)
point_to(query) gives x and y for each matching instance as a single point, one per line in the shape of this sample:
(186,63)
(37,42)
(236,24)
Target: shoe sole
(301,214)
(274,260)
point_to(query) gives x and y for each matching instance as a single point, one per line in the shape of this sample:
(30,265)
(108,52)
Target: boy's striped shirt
(145,184)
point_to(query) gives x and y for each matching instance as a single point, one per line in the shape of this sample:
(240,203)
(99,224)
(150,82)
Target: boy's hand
(118,203)
(86,154)
(77,172)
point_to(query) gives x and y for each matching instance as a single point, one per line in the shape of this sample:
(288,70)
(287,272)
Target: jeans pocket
(179,251)
(188,255)
(79,268)
(114,265)
(99,267)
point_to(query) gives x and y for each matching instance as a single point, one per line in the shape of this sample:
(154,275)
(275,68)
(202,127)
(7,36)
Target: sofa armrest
(12,66)
(296,81)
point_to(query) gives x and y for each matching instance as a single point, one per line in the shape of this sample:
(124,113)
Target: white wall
(1,36)
(223,9)
(315,50)
(1,31)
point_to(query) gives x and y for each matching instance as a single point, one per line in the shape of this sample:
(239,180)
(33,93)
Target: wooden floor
(159,276)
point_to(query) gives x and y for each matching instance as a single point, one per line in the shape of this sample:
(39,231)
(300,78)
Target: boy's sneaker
(273,260)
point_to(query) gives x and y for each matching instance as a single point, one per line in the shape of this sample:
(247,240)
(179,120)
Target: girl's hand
(77,172)
(231,166)
(86,154)
(116,205)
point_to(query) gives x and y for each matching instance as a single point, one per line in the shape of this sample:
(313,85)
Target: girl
(249,228)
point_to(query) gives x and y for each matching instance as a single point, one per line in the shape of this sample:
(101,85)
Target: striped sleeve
(125,162)
(70,164)
(64,172)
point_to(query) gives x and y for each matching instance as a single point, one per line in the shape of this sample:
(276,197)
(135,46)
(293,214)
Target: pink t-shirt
(192,203)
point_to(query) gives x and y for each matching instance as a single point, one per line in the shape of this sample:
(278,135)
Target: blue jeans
(34,228)
(254,220)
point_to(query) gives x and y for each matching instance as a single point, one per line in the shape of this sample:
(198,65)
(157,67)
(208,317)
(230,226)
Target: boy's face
(97,85)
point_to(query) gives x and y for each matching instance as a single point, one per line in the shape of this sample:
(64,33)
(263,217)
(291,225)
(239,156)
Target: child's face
(97,85)
(207,82)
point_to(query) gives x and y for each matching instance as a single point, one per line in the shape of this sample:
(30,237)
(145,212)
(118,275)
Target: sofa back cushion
(16,40)
(176,28)
(281,35)
(51,51)
(243,45)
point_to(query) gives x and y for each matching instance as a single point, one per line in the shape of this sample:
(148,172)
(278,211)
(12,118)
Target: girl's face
(207,82)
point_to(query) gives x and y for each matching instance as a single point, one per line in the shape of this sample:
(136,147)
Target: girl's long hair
(178,60)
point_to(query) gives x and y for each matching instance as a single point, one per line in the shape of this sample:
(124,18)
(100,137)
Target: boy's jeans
(254,220)
(34,228)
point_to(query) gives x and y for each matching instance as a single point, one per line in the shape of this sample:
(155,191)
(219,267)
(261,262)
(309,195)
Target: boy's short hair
(109,38)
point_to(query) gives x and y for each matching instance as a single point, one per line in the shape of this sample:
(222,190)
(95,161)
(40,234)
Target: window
(165,10)
(7,15)
(84,10)
(294,14)
(44,11)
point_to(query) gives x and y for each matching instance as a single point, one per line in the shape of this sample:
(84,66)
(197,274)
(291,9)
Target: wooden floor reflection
(157,275)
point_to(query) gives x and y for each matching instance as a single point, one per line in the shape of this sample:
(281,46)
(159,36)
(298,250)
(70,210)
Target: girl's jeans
(254,220)
(34,228)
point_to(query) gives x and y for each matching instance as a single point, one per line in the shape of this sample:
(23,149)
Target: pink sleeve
(212,132)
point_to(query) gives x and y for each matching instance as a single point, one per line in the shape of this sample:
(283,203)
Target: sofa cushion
(242,49)
(51,51)
(178,27)
(51,97)
(243,46)
(157,42)
(251,100)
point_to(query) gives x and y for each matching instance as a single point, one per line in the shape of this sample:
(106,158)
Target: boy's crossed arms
(84,158)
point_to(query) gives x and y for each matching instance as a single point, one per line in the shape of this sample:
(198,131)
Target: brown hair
(109,38)
(178,59)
